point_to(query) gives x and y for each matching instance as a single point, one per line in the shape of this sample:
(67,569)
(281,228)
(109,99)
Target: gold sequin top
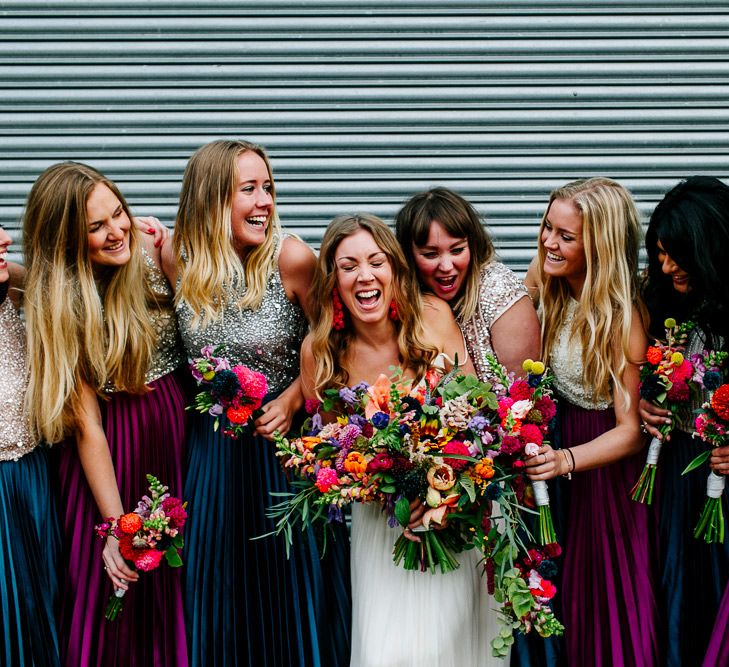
(566,364)
(15,438)
(169,354)
(267,340)
(500,289)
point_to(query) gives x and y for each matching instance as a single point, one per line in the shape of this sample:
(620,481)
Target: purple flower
(478,423)
(357,420)
(316,424)
(334,514)
(348,396)
(216,410)
(361,387)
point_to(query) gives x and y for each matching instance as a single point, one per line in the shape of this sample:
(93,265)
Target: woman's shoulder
(294,254)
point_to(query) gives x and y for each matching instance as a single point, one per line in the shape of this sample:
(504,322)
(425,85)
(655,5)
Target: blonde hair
(208,264)
(78,332)
(459,219)
(329,346)
(612,236)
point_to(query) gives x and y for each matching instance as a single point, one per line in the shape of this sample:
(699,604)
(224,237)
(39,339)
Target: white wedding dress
(404,618)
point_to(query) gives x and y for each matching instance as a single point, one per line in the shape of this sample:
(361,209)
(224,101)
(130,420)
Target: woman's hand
(148,224)
(652,417)
(116,567)
(278,415)
(719,460)
(547,464)
(417,510)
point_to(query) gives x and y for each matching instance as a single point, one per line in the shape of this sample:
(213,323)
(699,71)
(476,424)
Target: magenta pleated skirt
(608,586)
(146,434)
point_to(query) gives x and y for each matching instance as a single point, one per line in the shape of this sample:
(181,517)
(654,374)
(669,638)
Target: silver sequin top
(15,438)
(566,364)
(267,340)
(168,355)
(500,289)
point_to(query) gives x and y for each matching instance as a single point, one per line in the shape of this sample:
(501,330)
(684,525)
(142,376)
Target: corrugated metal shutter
(363,103)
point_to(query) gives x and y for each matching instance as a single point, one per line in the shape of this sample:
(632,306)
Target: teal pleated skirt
(246,603)
(29,547)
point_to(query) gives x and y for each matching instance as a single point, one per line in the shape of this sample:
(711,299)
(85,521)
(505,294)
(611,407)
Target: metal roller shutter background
(361,104)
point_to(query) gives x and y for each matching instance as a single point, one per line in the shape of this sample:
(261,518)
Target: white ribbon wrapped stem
(715,485)
(541,493)
(654,451)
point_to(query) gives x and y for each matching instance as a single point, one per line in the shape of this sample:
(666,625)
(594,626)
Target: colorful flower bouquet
(665,381)
(146,535)
(235,392)
(712,426)
(437,443)
(526,409)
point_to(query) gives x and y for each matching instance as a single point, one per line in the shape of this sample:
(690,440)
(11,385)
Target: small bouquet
(712,426)
(665,380)
(526,409)
(146,535)
(235,392)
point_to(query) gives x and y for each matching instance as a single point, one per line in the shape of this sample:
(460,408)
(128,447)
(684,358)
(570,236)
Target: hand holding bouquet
(237,392)
(665,381)
(146,535)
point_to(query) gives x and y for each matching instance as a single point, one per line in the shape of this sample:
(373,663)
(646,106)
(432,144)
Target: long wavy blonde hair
(80,327)
(208,265)
(329,346)
(612,237)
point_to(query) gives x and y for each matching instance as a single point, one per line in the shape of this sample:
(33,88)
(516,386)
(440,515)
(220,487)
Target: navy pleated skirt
(246,603)
(29,547)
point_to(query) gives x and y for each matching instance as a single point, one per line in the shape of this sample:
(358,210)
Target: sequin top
(15,437)
(566,364)
(500,289)
(267,340)
(168,355)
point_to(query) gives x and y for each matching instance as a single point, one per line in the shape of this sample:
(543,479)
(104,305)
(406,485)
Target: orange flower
(239,415)
(355,463)
(654,355)
(720,402)
(310,441)
(130,523)
(380,394)
(484,468)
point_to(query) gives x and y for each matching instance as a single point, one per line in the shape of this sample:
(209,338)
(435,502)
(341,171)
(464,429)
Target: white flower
(521,409)
(531,449)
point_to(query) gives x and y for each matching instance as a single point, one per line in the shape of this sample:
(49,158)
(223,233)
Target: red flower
(130,523)
(683,372)
(520,391)
(239,415)
(381,461)
(546,406)
(127,550)
(679,392)
(549,590)
(175,510)
(504,405)
(654,355)
(510,444)
(552,550)
(720,402)
(531,433)
(456,447)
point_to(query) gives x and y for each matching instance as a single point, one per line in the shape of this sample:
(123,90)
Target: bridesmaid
(687,241)
(451,253)
(593,340)
(103,349)
(29,534)
(241,282)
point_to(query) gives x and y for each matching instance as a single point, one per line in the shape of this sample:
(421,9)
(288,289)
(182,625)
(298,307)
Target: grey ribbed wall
(364,102)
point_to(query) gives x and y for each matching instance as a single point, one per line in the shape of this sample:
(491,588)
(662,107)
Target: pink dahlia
(456,447)
(149,560)
(325,479)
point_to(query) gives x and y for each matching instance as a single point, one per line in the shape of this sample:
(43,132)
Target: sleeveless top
(167,355)
(566,364)
(267,340)
(499,289)
(15,436)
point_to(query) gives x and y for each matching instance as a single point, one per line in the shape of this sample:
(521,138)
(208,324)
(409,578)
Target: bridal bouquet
(235,392)
(665,380)
(146,535)
(437,444)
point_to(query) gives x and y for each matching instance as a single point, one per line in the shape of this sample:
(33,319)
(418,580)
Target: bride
(369,318)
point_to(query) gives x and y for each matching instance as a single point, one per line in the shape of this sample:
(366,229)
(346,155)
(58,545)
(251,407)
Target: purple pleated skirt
(717,655)
(146,434)
(608,591)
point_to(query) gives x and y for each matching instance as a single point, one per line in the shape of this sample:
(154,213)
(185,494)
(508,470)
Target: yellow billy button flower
(538,368)
(527,365)
(208,375)
(669,323)
(676,358)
